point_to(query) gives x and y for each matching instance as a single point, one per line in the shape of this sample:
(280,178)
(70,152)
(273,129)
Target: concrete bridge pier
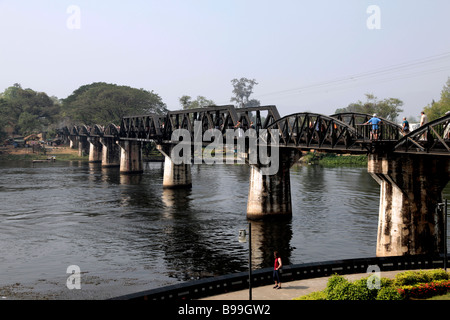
(270,195)
(175,175)
(73,142)
(410,189)
(110,152)
(83,146)
(131,160)
(95,149)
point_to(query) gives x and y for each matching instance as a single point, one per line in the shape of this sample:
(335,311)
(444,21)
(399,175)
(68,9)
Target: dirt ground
(10,150)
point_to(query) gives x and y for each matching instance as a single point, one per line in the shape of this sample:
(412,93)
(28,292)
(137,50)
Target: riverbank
(59,153)
(332,159)
(10,153)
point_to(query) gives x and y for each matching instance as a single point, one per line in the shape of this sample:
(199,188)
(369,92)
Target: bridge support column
(131,160)
(110,152)
(410,189)
(175,175)
(83,146)
(73,142)
(95,149)
(270,195)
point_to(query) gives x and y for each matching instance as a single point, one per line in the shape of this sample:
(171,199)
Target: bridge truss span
(306,131)
(433,138)
(142,128)
(220,118)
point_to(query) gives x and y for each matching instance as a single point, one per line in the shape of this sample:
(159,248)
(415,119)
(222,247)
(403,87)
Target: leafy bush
(339,288)
(333,281)
(389,293)
(409,278)
(317,295)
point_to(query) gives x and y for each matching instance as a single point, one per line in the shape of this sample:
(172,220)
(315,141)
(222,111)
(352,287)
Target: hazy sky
(305,55)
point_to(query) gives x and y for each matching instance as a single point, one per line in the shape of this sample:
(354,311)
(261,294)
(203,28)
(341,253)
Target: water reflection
(269,236)
(176,200)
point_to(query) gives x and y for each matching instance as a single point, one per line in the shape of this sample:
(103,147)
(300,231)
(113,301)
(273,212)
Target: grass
(443,297)
(334,160)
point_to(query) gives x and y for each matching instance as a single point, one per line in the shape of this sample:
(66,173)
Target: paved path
(291,289)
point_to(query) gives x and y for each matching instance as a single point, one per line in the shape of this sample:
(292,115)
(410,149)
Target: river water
(127,234)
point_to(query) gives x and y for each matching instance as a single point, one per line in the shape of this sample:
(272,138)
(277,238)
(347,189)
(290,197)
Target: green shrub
(333,281)
(438,274)
(389,293)
(318,295)
(342,289)
(410,278)
(363,291)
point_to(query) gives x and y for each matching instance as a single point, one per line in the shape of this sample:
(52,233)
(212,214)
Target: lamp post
(445,235)
(243,238)
(444,211)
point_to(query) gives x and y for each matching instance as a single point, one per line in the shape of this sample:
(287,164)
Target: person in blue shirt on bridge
(405,126)
(375,122)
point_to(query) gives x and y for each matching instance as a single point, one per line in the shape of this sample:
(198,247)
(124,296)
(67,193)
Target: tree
(26,109)
(438,109)
(3,120)
(104,103)
(388,108)
(201,102)
(242,89)
(28,123)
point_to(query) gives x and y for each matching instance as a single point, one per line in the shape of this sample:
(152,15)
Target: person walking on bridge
(375,122)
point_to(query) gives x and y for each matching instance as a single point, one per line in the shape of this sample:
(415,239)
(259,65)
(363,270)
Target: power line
(371,74)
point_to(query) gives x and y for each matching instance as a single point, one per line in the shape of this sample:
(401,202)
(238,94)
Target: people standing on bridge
(423,118)
(276,270)
(405,126)
(447,127)
(238,127)
(423,121)
(375,122)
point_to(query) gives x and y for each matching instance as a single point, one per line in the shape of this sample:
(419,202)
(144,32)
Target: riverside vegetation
(407,285)
(332,159)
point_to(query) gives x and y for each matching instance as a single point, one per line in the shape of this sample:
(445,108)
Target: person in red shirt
(276,270)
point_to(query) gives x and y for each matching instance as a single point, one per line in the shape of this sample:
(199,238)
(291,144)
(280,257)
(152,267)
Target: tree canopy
(103,103)
(387,108)
(27,111)
(201,102)
(242,89)
(438,109)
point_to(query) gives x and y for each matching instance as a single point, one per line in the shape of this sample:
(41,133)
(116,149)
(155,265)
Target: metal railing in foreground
(239,281)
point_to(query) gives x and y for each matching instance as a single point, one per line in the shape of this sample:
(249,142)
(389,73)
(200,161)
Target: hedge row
(425,290)
(406,285)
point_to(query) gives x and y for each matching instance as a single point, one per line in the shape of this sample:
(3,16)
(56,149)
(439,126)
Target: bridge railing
(431,138)
(388,130)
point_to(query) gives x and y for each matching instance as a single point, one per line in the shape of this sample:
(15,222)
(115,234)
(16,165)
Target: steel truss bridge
(337,133)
